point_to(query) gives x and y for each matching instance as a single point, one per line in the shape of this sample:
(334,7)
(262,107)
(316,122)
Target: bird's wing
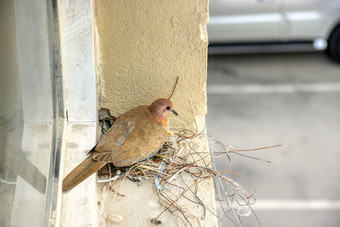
(141,143)
(142,136)
(116,135)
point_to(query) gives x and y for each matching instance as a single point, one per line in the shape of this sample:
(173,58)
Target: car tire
(333,49)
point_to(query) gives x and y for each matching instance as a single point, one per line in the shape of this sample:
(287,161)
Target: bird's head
(161,108)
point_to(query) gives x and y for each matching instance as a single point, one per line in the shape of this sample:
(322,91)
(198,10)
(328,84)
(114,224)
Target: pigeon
(136,135)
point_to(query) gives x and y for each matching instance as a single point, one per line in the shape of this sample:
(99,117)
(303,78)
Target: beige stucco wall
(144,45)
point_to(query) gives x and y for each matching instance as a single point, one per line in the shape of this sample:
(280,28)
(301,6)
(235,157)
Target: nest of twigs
(178,169)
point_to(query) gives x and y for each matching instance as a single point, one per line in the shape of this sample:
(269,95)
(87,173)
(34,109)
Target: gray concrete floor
(306,122)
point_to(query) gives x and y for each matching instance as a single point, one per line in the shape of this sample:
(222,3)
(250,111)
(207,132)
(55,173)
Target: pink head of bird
(161,108)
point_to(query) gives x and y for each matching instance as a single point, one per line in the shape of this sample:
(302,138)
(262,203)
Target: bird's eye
(168,107)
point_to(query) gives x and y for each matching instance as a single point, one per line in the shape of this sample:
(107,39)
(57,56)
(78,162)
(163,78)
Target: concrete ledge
(138,205)
(79,204)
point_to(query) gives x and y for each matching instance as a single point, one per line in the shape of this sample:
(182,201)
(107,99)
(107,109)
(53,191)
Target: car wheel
(333,49)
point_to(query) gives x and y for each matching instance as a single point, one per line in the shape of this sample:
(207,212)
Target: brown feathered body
(134,136)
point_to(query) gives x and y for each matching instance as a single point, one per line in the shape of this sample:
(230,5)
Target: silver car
(284,25)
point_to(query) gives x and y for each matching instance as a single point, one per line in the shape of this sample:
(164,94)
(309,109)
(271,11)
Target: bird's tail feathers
(81,172)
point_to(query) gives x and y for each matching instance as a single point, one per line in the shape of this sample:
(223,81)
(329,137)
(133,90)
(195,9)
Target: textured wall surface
(143,46)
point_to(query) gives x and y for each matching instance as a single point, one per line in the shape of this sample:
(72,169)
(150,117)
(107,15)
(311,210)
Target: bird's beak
(174,112)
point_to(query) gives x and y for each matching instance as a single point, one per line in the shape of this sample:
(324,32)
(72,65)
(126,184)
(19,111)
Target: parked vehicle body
(284,25)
